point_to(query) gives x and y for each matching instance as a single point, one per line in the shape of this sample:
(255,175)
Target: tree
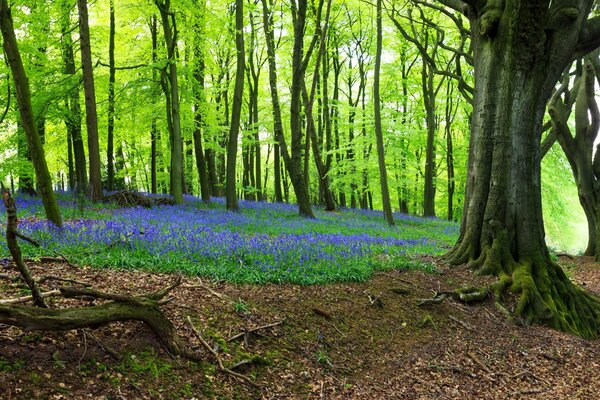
(236,108)
(520,50)
(36,150)
(171,89)
(72,105)
(199,100)
(111,100)
(91,116)
(579,147)
(385,192)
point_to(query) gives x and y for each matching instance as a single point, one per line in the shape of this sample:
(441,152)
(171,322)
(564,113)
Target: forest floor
(339,341)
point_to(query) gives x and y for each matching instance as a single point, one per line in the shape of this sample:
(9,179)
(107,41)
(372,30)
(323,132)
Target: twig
(27,239)
(115,354)
(58,278)
(218,358)
(12,278)
(242,334)
(84,347)
(478,362)
(25,299)
(462,323)
(211,291)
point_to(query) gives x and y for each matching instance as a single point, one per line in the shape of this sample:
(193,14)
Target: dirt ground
(343,341)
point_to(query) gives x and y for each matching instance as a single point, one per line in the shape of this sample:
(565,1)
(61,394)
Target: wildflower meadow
(264,242)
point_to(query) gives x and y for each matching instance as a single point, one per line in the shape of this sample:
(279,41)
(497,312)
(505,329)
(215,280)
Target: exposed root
(545,295)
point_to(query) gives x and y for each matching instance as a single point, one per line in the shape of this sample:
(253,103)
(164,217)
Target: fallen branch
(25,299)
(462,323)
(143,308)
(13,278)
(220,365)
(477,361)
(59,279)
(211,291)
(249,331)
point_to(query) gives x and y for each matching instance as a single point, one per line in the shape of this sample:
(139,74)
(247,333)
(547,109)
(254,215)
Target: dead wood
(119,308)
(468,327)
(258,328)
(322,313)
(15,250)
(220,365)
(59,279)
(218,295)
(128,198)
(25,299)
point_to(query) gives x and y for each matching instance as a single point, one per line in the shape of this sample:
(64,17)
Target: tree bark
(111,99)
(170,33)
(95,181)
(236,109)
(385,192)
(520,51)
(73,117)
(36,150)
(200,102)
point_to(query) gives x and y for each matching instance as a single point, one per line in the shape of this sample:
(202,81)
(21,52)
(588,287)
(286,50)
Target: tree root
(545,295)
(119,308)
(464,295)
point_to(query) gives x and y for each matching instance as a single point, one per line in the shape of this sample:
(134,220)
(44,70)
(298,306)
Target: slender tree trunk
(236,109)
(73,117)
(429,177)
(170,33)
(450,151)
(95,182)
(111,100)
(153,128)
(200,102)
(36,150)
(385,192)
(293,161)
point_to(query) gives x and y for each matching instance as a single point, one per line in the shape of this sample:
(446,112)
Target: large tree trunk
(36,150)
(520,51)
(95,182)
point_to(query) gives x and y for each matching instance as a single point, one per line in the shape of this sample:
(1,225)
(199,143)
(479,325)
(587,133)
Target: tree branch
(457,5)
(589,38)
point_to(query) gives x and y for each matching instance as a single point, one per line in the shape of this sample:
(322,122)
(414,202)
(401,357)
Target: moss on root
(545,294)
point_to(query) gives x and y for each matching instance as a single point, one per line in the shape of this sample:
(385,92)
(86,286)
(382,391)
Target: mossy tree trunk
(520,50)
(36,150)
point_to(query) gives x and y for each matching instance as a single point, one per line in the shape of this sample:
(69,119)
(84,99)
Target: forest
(299,198)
